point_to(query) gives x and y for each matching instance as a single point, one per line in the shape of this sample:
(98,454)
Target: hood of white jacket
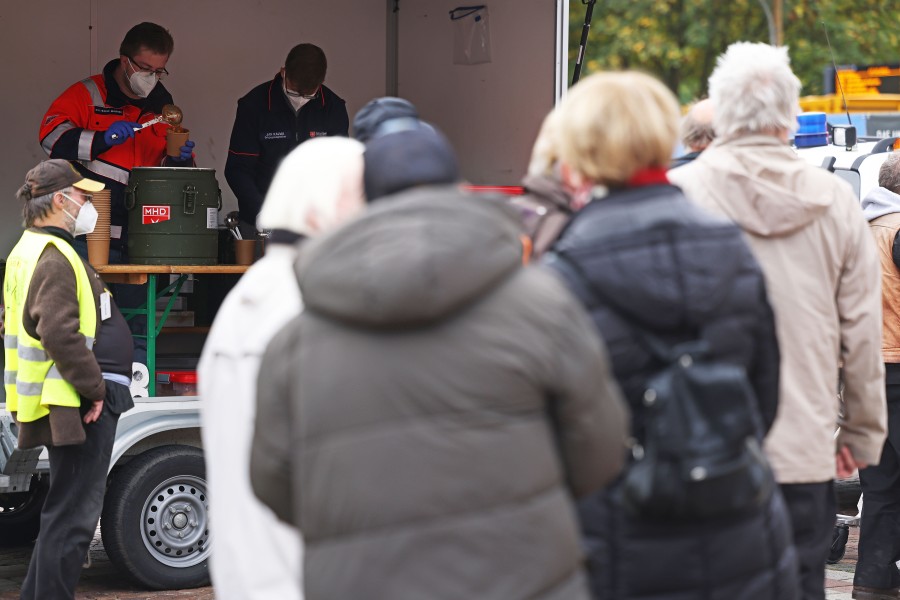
(758,182)
(879,202)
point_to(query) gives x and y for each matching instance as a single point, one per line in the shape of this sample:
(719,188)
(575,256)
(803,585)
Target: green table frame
(146,274)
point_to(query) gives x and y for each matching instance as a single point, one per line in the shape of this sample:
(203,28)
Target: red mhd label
(155,214)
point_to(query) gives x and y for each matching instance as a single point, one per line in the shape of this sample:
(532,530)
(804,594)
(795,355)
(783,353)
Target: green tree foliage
(679,40)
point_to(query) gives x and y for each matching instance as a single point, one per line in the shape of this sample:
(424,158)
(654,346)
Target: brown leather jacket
(885,230)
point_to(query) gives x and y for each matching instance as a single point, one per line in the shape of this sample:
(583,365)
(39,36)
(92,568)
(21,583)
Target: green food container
(173,216)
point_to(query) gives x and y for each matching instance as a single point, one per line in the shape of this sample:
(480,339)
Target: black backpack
(700,457)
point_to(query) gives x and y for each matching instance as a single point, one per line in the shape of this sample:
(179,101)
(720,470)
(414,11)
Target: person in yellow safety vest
(68,354)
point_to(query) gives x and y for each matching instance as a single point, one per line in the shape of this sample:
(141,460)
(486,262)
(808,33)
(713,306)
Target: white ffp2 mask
(86,219)
(140,82)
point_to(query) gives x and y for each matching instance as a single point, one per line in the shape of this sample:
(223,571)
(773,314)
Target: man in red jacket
(96,125)
(95,122)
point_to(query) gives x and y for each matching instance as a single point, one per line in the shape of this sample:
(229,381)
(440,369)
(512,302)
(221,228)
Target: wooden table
(139,275)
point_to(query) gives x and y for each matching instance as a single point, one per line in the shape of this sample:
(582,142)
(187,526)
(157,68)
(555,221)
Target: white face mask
(295,99)
(298,102)
(86,219)
(141,83)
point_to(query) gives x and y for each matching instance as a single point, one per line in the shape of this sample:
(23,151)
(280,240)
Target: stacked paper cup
(98,240)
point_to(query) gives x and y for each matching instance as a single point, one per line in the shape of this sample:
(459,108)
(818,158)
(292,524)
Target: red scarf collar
(648,176)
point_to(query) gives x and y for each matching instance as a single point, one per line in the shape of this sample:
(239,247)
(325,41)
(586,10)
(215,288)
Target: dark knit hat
(54,175)
(374,114)
(407,159)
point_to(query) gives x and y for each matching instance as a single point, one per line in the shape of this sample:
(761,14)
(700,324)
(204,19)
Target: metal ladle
(231,222)
(171,114)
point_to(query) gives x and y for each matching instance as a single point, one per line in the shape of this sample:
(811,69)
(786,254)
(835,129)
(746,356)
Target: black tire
(20,513)
(150,501)
(839,538)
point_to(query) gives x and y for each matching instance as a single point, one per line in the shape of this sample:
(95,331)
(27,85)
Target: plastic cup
(244,252)
(175,140)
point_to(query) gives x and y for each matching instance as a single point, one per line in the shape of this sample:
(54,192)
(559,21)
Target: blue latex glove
(186,155)
(119,131)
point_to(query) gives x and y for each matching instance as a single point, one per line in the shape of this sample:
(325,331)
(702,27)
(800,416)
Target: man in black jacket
(273,119)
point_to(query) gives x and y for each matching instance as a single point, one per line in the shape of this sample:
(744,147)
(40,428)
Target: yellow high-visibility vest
(30,378)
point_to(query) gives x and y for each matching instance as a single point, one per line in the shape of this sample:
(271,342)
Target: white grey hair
(41,206)
(889,173)
(754,91)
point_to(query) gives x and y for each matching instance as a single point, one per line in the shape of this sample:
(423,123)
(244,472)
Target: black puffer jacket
(681,274)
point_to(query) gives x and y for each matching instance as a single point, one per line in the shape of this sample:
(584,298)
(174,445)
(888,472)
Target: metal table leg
(150,311)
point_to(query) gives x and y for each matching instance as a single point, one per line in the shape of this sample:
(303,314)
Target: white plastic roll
(140,376)
(138,392)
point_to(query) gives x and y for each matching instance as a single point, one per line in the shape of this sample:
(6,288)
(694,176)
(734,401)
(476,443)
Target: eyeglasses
(87,197)
(160,73)
(299,95)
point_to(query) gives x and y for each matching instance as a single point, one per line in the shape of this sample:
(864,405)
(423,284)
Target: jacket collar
(755,139)
(58,232)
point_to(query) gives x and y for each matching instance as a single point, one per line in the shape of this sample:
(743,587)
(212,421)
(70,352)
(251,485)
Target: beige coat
(822,273)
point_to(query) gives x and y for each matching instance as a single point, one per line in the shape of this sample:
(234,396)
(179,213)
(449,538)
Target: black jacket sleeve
(243,159)
(765,371)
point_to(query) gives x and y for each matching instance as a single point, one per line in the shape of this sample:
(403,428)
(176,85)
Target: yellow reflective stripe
(32,354)
(25,388)
(89,342)
(10,342)
(9,377)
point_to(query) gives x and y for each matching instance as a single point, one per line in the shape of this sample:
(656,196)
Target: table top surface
(150,269)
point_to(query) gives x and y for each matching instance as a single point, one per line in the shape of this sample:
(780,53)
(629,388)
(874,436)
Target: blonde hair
(318,186)
(614,124)
(545,152)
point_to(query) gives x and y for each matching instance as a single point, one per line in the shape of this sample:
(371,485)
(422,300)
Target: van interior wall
(491,112)
(222,49)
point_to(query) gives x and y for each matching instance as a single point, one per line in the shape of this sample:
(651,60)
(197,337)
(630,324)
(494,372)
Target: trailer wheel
(20,513)
(155,523)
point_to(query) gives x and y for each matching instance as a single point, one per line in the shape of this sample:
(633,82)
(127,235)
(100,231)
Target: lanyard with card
(105,306)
